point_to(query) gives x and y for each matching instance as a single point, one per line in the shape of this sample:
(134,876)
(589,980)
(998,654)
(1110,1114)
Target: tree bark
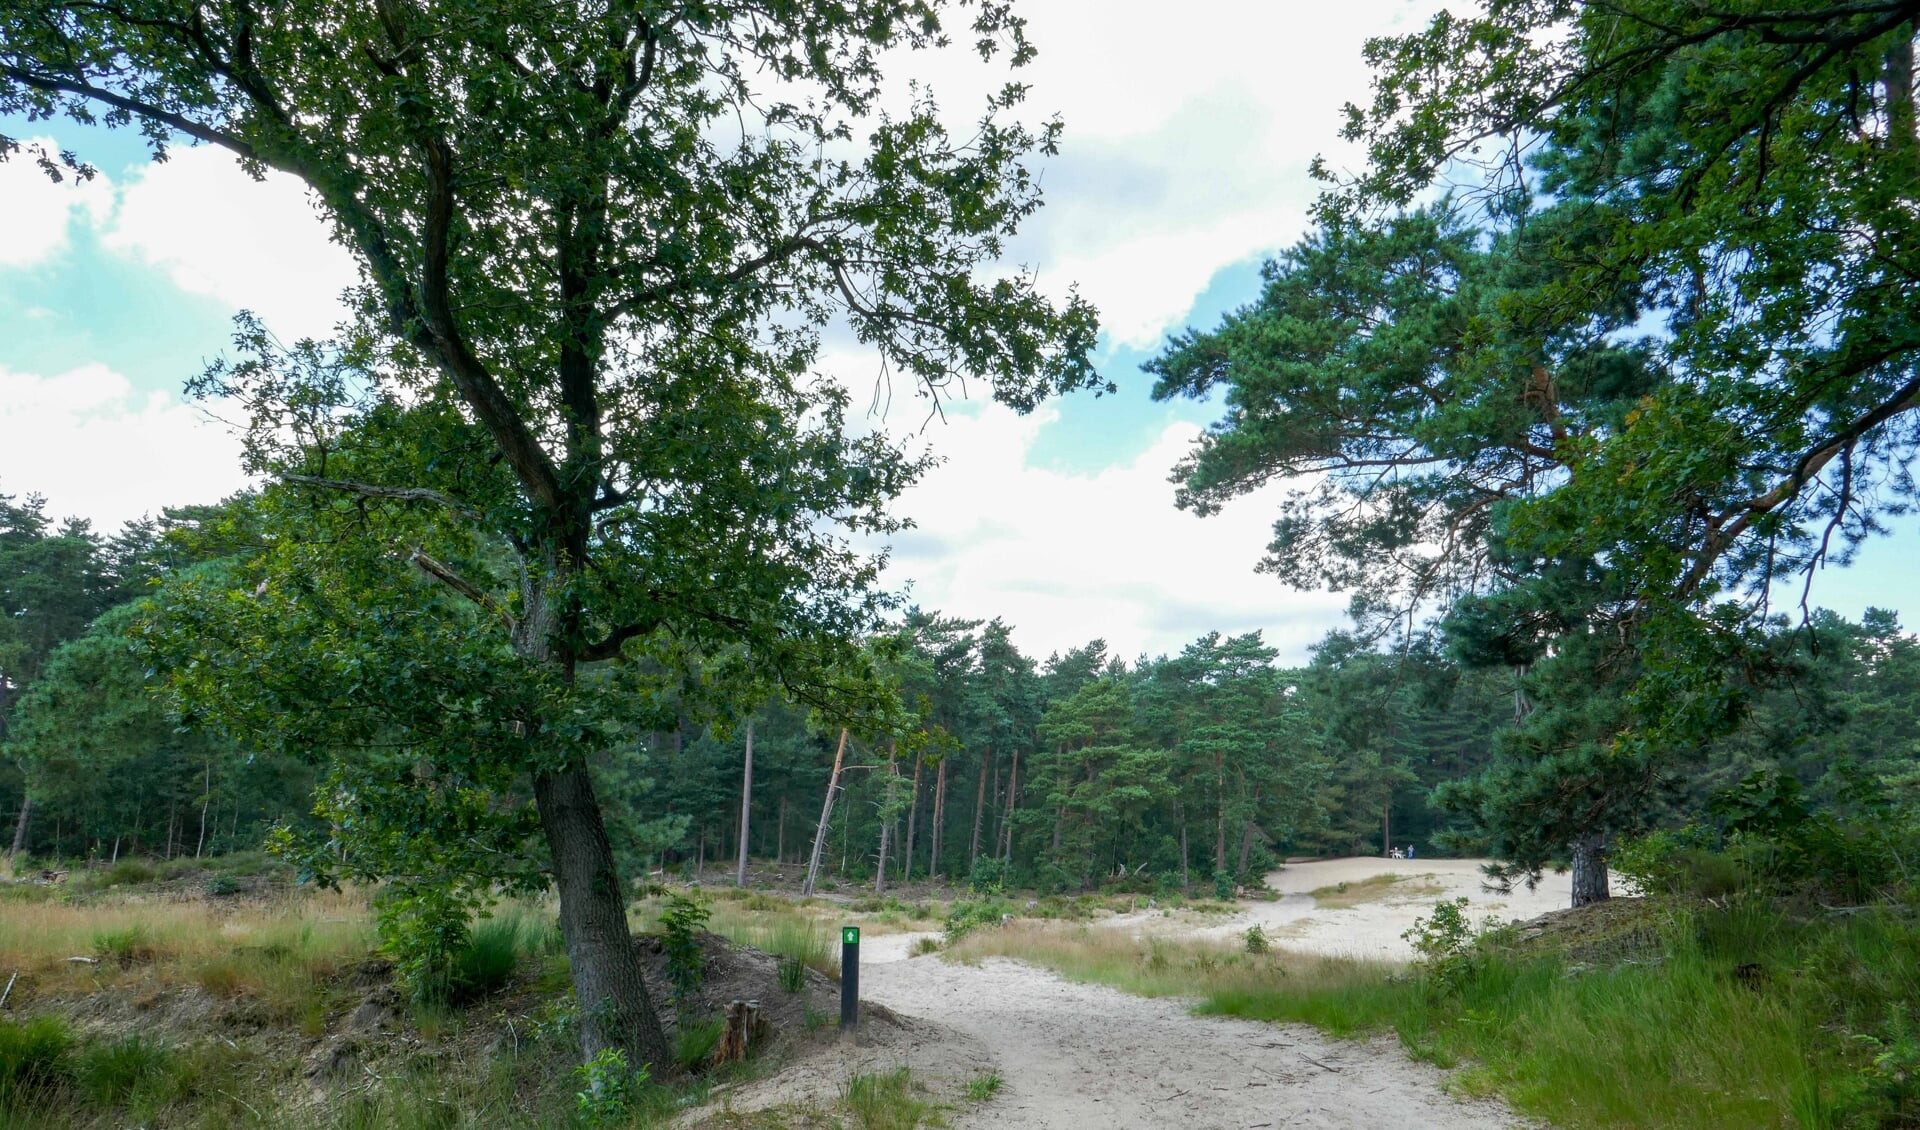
(826,813)
(206,798)
(913,814)
(20,827)
(1590,871)
(1186,884)
(614,1008)
(1013,793)
(1386,830)
(1220,816)
(746,807)
(939,818)
(886,823)
(979,808)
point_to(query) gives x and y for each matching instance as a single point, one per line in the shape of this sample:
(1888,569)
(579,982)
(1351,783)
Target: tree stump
(745,1028)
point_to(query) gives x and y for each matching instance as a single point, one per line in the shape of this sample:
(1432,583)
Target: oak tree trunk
(1590,871)
(614,1008)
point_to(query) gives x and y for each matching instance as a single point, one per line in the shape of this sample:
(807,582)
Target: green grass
(1747,1018)
(886,1101)
(983,1086)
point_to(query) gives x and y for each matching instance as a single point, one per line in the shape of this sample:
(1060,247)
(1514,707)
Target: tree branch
(444,573)
(397,494)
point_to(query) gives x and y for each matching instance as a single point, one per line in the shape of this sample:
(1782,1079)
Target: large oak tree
(599,243)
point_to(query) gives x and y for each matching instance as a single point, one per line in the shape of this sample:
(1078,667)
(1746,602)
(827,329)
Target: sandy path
(1073,1056)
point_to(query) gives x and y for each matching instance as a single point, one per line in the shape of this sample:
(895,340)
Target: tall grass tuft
(493,953)
(885,1101)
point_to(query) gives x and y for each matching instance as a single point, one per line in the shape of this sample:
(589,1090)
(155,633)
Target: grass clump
(694,1042)
(128,945)
(983,1086)
(1351,893)
(494,950)
(885,1101)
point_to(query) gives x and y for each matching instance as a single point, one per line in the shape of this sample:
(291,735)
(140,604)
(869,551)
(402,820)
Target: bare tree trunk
(979,808)
(1185,883)
(1220,816)
(746,807)
(913,815)
(1590,871)
(939,817)
(206,798)
(1013,799)
(20,826)
(826,813)
(780,833)
(886,821)
(614,1010)
(1246,835)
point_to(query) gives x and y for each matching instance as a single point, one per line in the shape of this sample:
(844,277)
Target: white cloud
(96,447)
(36,212)
(1189,134)
(1065,557)
(257,245)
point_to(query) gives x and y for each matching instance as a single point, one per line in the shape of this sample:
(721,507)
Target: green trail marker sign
(849,977)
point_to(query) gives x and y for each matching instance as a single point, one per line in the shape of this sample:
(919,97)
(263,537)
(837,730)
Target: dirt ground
(1072,1055)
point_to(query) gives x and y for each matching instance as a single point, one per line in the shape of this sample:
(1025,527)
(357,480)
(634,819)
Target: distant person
(1409,851)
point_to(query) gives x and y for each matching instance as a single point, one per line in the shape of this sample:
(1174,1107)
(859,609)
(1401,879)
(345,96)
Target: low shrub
(969,915)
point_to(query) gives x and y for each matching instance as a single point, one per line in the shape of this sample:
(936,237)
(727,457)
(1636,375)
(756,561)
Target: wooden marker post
(849,978)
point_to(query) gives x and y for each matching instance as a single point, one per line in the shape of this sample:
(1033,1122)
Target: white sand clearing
(1074,1056)
(1361,923)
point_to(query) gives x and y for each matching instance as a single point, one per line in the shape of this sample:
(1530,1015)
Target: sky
(1183,166)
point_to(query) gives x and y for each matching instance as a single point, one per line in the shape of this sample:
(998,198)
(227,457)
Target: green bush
(1445,943)
(128,872)
(989,876)
(1223,886)
(1257,940)
(680,926)
(969,915)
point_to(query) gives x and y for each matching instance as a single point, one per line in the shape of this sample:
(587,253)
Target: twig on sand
(1317,1063)
(9,989)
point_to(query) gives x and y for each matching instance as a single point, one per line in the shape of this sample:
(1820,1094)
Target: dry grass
(1150,966)
(1374,888)
(183,934)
